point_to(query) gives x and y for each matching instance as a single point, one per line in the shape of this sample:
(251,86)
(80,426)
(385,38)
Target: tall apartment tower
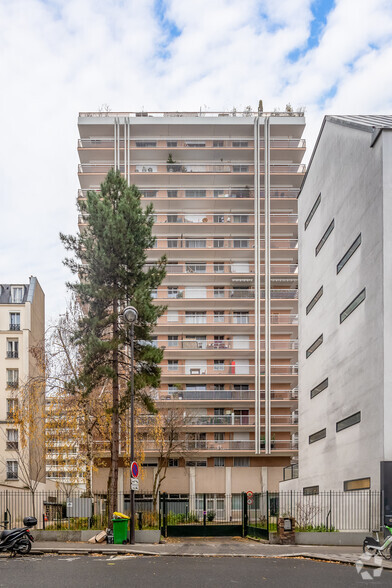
(224,189)
(345,310)
(22,325)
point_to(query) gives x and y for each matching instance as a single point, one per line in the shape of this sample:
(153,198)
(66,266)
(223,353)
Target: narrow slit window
(313,210)
(323,239)
(319,388)
(314,300)
(318,436)
(353,305)
(349,253)
(354,419)
(314,346)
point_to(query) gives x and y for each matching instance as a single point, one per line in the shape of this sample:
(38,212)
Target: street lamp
(130,316)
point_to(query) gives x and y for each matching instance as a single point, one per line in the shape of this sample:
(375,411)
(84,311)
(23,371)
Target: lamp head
(130,314)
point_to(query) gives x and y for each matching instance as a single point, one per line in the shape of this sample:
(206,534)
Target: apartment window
(240,243)
(14,321)
(12,439)
(317,436)
(172,291)
(314,300)
(219,316)
(314,346)
(219,364)
(195,193)
(241,386)
(219,462)
(12,348)
(172,365)
(319,388)
(311,490)
(195,243)
(146,143)
(219,218)
(239,143)
(218,144)
(349,253)
(241,462)
(196,464)
(219,386)
(219,268)
(173,463)
(313,210)
(354,419)
(353,305)
(196,268)
(240,218)
(359,484)
(219,292)
(241,317)
(12,378)
(171,143)
(172,193)
(219,436)
(172,243)
(149,193)
(154,293)
(240,168)
(12,407)
(323,239)
(172,341)
(12,470)
(219,243)
(195,143)
(17,294)
(197,317)
(173,218)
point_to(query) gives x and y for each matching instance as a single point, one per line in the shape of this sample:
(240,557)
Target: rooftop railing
(172,143)
(193,113)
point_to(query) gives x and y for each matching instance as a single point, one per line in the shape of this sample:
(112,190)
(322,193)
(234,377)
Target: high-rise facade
(224,190)
(22,326)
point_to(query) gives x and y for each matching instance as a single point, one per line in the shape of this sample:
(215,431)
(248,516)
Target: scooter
(374,547)
(18,541)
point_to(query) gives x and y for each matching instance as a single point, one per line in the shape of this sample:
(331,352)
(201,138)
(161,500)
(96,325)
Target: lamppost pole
(130,316)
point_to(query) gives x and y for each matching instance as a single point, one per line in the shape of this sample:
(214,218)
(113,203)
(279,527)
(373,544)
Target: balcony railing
(12,355)
(226,319)
(223,345)
(276,395)
(223,420)
(217,244)
(225,268)
(227,192)
(189,168)
(232,369)
(236,293)
(221,218)
(12,383)
(12,445)
(227,445)
(196,143)
(14,326)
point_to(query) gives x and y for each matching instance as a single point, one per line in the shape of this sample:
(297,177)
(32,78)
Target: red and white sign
(249,494)
(134,469)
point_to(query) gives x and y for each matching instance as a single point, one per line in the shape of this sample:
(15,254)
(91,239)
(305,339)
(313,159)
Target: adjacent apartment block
(224,189)
(345,309)
(22,325)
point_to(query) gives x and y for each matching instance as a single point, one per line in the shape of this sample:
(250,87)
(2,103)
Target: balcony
(218,244)
(223,345)
(232,369)
(222,420)
(222,293)
(222,218)
(225,268)
(12,355)
(228,192)
(227,445)
(216,395)
(226,319)
(185,167)
(14,327)
(180,143)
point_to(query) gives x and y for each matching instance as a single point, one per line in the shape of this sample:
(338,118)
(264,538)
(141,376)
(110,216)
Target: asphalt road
(137,571)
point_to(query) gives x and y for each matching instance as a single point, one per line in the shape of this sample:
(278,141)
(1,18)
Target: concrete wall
(348,174)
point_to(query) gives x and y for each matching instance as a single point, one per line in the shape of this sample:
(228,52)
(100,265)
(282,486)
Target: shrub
(210,515)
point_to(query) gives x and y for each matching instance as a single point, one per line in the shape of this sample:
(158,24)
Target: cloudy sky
(59,57)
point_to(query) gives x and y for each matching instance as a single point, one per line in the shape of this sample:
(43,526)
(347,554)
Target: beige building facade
(224,190)
(22,326)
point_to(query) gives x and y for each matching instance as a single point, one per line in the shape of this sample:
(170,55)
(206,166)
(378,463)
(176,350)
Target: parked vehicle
(373,546)
(18,540)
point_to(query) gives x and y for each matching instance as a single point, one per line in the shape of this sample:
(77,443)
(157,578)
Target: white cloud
(61,57)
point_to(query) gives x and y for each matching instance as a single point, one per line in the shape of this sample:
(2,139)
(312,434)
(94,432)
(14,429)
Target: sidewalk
(217,547)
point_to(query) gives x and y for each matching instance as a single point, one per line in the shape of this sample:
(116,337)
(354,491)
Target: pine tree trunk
(113,477)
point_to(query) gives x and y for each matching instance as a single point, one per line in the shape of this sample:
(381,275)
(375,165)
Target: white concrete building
(345,310)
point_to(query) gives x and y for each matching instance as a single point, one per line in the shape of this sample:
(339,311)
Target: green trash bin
(120,531)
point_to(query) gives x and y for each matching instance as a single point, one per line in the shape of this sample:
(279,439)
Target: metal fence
(323,512)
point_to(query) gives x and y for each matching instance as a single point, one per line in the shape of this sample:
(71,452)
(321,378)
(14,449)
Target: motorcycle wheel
(368,549)
(23,547)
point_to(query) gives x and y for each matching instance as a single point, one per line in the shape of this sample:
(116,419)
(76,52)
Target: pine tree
(109,256)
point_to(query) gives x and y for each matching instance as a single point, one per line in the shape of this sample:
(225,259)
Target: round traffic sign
(134,469)
(250,501)
(249,494)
